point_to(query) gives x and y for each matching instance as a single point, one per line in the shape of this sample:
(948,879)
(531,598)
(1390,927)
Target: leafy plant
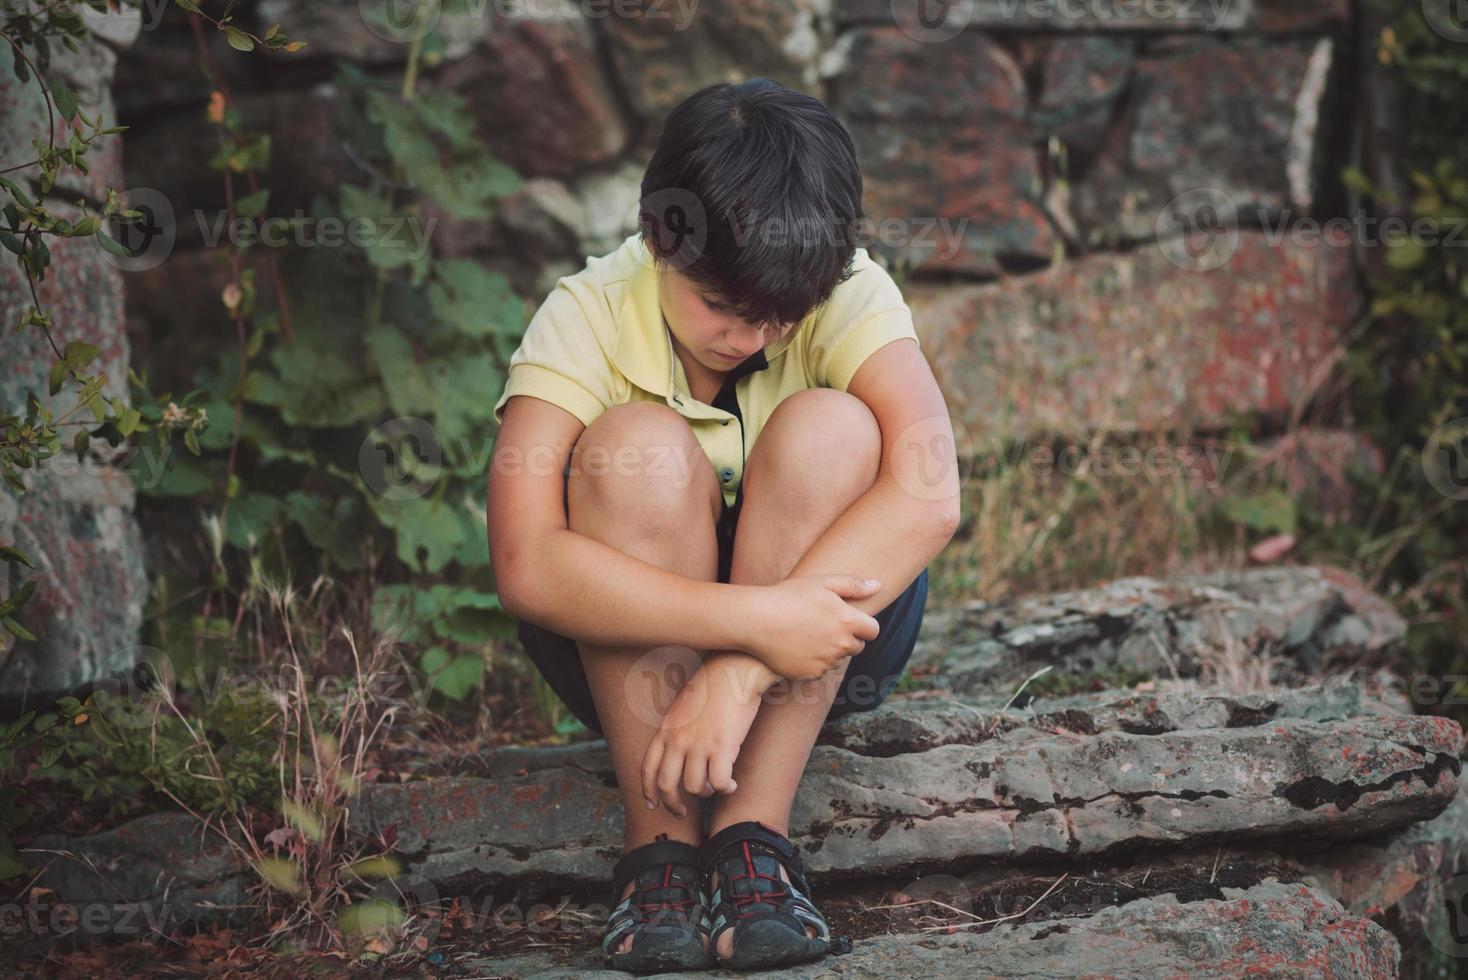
(26,442)
(366,430)
(1407,373)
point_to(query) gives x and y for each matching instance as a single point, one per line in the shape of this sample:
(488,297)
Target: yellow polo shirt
(600,339)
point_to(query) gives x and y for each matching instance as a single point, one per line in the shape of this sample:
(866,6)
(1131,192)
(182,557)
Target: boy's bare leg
(650,516)
(818,453)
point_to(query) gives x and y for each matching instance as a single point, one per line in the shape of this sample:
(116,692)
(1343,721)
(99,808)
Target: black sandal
(767,913)
(666,912)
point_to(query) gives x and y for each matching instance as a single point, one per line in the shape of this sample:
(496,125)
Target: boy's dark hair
(771,176)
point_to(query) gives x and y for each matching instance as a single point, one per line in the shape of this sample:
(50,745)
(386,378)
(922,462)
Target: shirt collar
(644,350)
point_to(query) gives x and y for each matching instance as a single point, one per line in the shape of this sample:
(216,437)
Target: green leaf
(1405,254)
(334,529)
(251,514)
(474,300)
(359,202)
(10,867)
(16,630)
(182,477)
(20,196)
(428,531)
(1270,511)
(112,245)
(569,725)
(78,354)
(18,600)
(65,100)
(408,390)
(453,677)
(238,39)
(253,205)
(475,619)
(15,554)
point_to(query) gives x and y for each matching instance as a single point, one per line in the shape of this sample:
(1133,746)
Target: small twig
(1003,918)
(1025,683)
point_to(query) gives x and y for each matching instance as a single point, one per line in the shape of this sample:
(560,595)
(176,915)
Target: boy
(723,467)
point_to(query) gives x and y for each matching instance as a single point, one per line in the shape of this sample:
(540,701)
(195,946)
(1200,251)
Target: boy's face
(715,337)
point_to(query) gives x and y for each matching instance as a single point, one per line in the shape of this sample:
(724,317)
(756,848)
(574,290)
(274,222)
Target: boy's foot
(661,919)
(762,915)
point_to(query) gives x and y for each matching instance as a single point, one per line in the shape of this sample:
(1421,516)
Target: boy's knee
(642,458)
(820,437)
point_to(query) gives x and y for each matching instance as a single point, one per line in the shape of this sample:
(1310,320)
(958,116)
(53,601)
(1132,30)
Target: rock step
(920,721)
(1270,929)
(159,872)
(1309,619)
(1038,791)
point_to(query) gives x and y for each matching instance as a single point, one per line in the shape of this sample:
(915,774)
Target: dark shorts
(870,676)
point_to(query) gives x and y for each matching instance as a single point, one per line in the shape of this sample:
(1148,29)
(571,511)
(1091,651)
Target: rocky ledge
(1271,929)
(919,784)
(1208,818)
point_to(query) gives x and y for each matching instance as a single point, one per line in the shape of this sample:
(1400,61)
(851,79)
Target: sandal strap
(789,898)
(660,852)
(753,830)
(672,893)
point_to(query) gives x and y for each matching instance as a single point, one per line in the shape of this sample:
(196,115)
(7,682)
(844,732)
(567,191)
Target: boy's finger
(651,760)
(721,773)
(695,774)
(669,776)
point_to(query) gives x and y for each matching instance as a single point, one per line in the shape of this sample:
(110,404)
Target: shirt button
(726,474)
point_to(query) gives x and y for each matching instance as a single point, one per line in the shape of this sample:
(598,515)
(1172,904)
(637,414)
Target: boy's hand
(700,736)
(802,627)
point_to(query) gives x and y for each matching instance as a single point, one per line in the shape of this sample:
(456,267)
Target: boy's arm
(890,533)
(910,512)
(574,584)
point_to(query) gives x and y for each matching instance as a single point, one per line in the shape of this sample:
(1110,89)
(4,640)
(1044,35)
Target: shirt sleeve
(863,315)
(560,360)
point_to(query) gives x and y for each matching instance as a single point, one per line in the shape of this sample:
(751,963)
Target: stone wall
(76,520)
(1023,164)
(1022,161)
